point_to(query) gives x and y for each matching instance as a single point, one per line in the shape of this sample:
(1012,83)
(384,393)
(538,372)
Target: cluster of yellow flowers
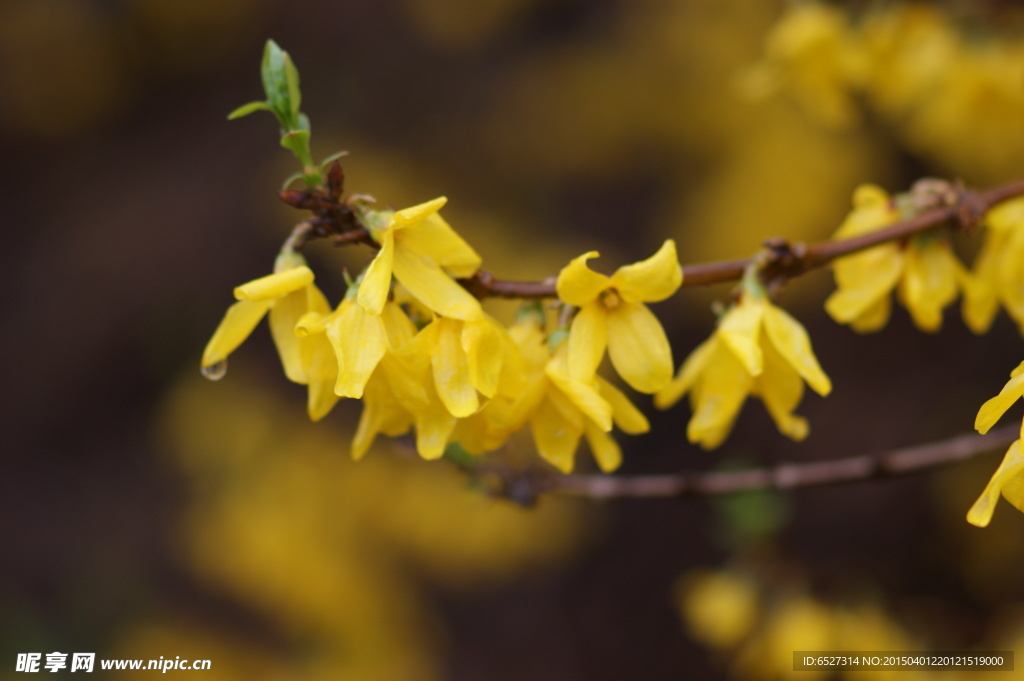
(944,93)
(418,349)
(459,375)
(729,611)
(422,354)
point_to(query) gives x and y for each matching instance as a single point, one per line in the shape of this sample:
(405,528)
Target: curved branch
(784,476)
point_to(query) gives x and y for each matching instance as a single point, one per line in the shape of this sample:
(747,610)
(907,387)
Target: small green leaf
(303,123)
(292,78)
(247,109)
(275,83)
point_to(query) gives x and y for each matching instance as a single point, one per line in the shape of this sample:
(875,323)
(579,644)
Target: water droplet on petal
(215,371)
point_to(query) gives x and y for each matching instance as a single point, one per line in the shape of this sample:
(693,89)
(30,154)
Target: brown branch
(790,261)
(784,476)
(784,260)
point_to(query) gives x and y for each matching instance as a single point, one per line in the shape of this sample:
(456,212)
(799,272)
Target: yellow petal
(451,368)
(284,317)
(605,449)
(1006,216)
(1010,471)
(359,342)
(688,374)
(434,427)
(791,340)
(275,285)
(588,338)
(872,211)
(555,436)
(638,347)
(717,397)
(414,215)
(409,377)
(399,327)
(994,408)
(484,344)
(431,286)
(627,417)
(322,371)
(781,388)
(929,283)
(239,321)
(1010,275)
(981,294)
(584,396)
(873,318)
(381,414)
(317,314)
(434,238)
(863,280)
(373,290)
(650,280)
(740,330)
(578,284)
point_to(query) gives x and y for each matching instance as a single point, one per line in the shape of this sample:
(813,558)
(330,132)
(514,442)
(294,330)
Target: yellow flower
(560,410)
(998,276)
(465,357)
(1008,479)
(569,408)
(289,294)
(720,608)
(757,349)
(810,54)
(421,250)
(400,393)
(612,314)
(520,389)
(925,271)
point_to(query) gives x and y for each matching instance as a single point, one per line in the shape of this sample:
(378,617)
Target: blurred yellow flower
(797,623)
(719,608)
(289,295)
(612,315)
(757,349)
(424,253)
(811,54)
(926,272)
(998,276)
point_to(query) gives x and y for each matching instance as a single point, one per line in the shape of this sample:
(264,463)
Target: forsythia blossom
(423,252)
(612,315)
(998,275)
(288,295)
(924,270)
(1008,479)
(759,350)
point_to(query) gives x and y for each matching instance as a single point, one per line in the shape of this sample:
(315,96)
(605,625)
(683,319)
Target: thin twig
(785,476)
(789,260)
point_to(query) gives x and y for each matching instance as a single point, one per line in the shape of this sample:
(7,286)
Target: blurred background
(150,513)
